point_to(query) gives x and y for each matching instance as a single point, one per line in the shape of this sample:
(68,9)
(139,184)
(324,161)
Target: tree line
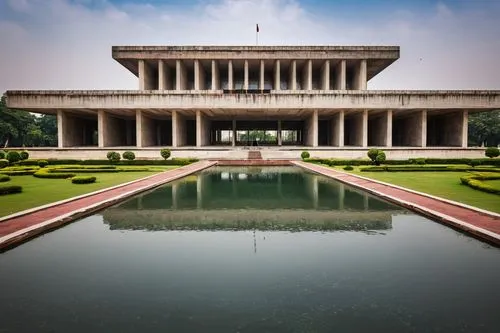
(20,128)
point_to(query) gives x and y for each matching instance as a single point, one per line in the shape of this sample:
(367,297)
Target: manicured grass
(39,191)
(442,184)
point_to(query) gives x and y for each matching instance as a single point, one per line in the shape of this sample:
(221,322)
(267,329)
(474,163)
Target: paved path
(478,222)
(18,229)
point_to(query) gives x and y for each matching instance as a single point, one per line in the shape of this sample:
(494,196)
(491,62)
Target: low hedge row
(4,178)
(10,189)
(173,161)
(83,180)
(476,181)
(411,161)
(19,173)
(76,170)
(46,174)
(415,168)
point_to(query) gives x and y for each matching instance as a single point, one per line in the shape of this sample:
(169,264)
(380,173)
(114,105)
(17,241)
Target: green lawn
(41,191)
(442,184)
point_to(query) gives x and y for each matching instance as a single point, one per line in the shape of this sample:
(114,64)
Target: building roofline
(119,48)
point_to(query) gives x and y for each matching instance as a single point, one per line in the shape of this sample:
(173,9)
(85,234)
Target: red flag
(257,27)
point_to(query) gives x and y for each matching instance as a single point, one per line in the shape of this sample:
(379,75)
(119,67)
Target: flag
(257,27)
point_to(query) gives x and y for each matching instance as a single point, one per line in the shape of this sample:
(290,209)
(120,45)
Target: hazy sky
(66,44)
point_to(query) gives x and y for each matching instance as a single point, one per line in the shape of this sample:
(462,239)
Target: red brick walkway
(21,228)
(481,224)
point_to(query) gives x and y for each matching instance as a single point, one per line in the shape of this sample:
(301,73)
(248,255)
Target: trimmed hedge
(78,170)
(475,181)
(45,174)
(83,180)
(4,178)
(2,155)
(128,155)
(348,168)
(42,163)
(19,173)
(24,155)
(412,161)
(29,162)
(165,153)
(10,189)
(13,156)
(305,155)
(173,161)
(414,168)
(3,163)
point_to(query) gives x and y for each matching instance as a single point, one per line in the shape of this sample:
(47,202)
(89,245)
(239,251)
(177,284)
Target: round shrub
(348,168)
(42,163)
(45,174)
(492,152)
(83,180)
(13,156)
(4,178)
(304,155)
(380,157)
(3,163)
(2,154)
(474,163)
(10,189)
(113,157)
(24,155)
(165,153)
(372,154)
(129,156)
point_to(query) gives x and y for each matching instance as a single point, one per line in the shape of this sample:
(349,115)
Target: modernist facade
(222,98)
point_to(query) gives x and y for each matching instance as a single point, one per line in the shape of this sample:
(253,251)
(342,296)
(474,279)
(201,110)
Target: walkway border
(22,235)
(469,227)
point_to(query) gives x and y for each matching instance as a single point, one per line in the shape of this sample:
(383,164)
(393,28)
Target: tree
(484,128)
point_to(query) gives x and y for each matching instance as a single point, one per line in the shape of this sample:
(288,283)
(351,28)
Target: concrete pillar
(60,129)
(230,81)
(465,128)
(307,75)
(180,77)
(388,134)
(362,74)
(164,82)
(261,75)
(201,129)
(277,72)
(215,75)
(279,133)
(312,129)
(199,76)
(146,79)
(292,76)
(101,127)
(340,79)
(175,130)
(365,129)
(325,75)
(338,129)
(423,138)
(138,128)
(245,78)
(234,134)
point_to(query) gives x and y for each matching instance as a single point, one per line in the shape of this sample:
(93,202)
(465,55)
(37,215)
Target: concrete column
(423,139)
(388,134)
(279,133)
(180,77)
(277,72)
(230,84)
(163,76)
(307,75)
(325,75)
(362,74)
(245,73)
(292,76)
(465,128)
(60,129)
(174,129)
(215,75)
(340,79)
(199,76)
(365,129)
(101,127)
(234,133)
(312,129)
(201,129)
(261,75)
(142,74)
(338,129)
(138,128)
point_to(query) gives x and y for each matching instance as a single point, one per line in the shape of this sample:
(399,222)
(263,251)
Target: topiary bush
(83,180)
(10,189)
(492,152)
(380,157)
(3,163)
(45,174)
(372,154)
(165,153)
(129,156)
(42,163)
(348,168)
(4,178)
(305,154)
(13,156)
(24,155)
(113,157)
(2,155)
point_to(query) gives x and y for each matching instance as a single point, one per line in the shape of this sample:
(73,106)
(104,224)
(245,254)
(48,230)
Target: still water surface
(251,250)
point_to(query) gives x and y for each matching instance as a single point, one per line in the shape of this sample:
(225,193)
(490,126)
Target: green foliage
(13,156)
(2,155)
(24,155)
(304,155)
(372,154)
(42,163)
(3,163)
(28,162)
(484,128)
(46,174)
(419,161)
(380,157)
(4,178)
(83,180)
(128,155)
(474,162)
(10,189)
(113,156)
(165,153)
(19,173)
(422,168)
(79,170)
(477,182)
(492,152)
(173,161)
(348,168)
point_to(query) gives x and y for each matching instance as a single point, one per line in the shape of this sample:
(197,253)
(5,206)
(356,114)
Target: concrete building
(217,101)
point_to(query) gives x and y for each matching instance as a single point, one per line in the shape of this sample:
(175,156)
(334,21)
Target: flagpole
(257,34)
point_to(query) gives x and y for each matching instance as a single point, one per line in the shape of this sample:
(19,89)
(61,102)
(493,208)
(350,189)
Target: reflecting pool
(251,250)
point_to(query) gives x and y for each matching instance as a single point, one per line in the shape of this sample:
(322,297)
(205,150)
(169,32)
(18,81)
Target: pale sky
(66,44)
